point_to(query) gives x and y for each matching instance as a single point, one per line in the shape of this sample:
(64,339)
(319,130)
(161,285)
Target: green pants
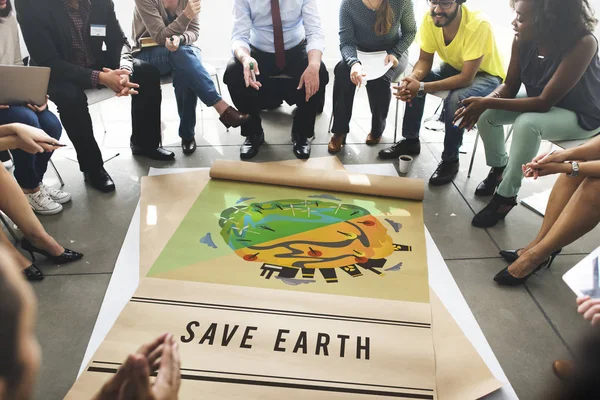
(528,131)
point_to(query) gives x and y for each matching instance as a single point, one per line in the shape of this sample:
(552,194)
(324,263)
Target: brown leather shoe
(372,140)
(336,143)
(562,369)
(232,117)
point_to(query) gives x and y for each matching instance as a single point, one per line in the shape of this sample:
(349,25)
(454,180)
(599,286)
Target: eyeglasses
(444,4)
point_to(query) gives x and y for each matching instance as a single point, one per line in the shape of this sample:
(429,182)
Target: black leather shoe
(99,179)
(513,255)
(445,172)
(488,186)
(32,273)
(301,147)
(66,257)
(251,145)
(510,255)
(188,145)
(405,147)
(494,212)
(158,154)
(505,278)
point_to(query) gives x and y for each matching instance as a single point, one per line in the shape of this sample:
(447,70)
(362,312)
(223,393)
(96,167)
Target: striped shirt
(81,53)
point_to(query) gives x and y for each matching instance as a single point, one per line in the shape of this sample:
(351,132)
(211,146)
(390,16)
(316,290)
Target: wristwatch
(181,40)
(575,170)
(421,92)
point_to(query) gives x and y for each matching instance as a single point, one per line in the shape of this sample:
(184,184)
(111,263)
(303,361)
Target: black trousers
(380,95)
(275,90)
(72,105)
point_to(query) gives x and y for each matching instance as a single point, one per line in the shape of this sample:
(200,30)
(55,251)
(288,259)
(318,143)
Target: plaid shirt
(81,54)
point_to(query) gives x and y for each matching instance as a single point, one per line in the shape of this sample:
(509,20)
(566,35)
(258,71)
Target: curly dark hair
(561,22)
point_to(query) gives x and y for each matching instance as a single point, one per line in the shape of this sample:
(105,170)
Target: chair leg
(216,77)
(396,120)
(510,132)
(473,155)
(9,228)
(60,179)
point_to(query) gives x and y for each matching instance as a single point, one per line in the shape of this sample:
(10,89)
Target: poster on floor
(278,291)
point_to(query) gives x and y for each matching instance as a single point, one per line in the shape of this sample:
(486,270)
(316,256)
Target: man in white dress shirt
(277,56)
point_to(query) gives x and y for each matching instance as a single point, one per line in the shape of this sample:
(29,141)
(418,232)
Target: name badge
(98,30)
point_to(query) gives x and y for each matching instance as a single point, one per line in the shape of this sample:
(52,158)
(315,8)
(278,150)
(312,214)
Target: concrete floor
(528,327)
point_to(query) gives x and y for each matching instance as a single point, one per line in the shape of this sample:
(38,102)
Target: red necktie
(278,33)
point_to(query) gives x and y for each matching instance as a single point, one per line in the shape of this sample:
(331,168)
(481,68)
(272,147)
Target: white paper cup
(405,163)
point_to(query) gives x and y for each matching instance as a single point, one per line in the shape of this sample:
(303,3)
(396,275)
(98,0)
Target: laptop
(23,85)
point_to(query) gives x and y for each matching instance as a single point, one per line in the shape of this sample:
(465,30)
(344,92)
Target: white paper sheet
(374,64)
(584,278)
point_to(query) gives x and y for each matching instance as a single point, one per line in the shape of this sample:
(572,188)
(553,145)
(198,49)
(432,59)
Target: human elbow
(542,105)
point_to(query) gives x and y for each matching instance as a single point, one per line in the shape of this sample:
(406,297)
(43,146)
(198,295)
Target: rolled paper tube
(333,181)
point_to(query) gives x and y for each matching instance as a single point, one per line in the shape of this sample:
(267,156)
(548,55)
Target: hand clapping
(132,380)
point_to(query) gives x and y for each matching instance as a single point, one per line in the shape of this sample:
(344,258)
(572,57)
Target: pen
(55,144)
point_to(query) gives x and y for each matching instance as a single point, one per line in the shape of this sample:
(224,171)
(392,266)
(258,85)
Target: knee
(69,96)
(342,71)
(52,125)
(527,125)
(324,76)
(590,187)
(146,74)
(452,104)
(487,119)
(24,115)
(234,73)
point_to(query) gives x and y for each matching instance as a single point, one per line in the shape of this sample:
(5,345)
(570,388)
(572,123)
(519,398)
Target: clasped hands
(132,380)
(118,81)
(547,164)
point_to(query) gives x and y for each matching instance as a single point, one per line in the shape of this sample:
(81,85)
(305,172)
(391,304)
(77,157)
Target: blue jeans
(482,85)
(30,168)
(190,80)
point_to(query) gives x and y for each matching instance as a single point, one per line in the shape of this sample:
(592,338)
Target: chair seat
(569,144)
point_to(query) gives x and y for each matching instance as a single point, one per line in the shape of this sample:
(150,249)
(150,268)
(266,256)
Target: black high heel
(32,273)
(505,278)
(66,257)
(513,255)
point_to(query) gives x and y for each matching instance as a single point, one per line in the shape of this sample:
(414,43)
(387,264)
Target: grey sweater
(357,30)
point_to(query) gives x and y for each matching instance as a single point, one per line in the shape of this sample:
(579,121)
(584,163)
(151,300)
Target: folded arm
(183,25)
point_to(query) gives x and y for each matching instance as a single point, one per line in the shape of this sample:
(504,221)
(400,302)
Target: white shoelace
(42,200)
(52,192)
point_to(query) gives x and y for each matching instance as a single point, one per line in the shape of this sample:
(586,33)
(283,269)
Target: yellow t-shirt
(475,38)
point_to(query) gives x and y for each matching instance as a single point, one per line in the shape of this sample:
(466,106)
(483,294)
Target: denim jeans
(482,85)
(30,168)
(190,80)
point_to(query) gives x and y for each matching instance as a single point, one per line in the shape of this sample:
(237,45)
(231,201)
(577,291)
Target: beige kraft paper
(138,323)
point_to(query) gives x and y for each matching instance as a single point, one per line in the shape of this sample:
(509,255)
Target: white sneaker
(57,195)
(42,204)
